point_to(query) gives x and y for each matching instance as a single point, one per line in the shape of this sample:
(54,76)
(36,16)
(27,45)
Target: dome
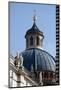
(34,30)
(40,59)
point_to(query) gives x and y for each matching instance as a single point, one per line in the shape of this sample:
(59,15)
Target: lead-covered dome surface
(40,59)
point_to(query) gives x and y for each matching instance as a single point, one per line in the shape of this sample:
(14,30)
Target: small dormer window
(31,40)
(37,40)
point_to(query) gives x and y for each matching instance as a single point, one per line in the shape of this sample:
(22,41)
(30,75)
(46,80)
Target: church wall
(14,78)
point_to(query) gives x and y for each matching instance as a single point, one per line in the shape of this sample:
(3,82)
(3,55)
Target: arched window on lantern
(37,40)
(31,40)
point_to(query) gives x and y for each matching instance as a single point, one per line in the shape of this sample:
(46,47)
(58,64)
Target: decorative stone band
(57,43)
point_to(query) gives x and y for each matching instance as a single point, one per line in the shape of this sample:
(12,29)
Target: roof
(40,59)
(34,30)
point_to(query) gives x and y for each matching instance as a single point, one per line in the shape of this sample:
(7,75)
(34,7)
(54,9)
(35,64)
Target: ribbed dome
(40,59)
(34,30)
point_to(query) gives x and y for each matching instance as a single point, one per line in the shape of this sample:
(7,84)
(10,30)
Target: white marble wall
(14,78)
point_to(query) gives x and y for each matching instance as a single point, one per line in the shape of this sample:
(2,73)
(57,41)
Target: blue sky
(21,20)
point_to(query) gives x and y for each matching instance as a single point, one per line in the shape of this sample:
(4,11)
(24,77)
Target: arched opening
(37,40)
(51,75)
(46,75)
(31,40)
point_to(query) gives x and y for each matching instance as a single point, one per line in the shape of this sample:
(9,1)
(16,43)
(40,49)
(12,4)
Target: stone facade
(19,77)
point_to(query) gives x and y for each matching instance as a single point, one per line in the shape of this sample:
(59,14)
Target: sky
(21,20)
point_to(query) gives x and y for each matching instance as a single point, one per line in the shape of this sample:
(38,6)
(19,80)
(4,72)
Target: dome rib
(49,62)
(45,60)
(40,59)
(34,30)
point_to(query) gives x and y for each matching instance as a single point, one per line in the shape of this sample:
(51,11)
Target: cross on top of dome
(34,17)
